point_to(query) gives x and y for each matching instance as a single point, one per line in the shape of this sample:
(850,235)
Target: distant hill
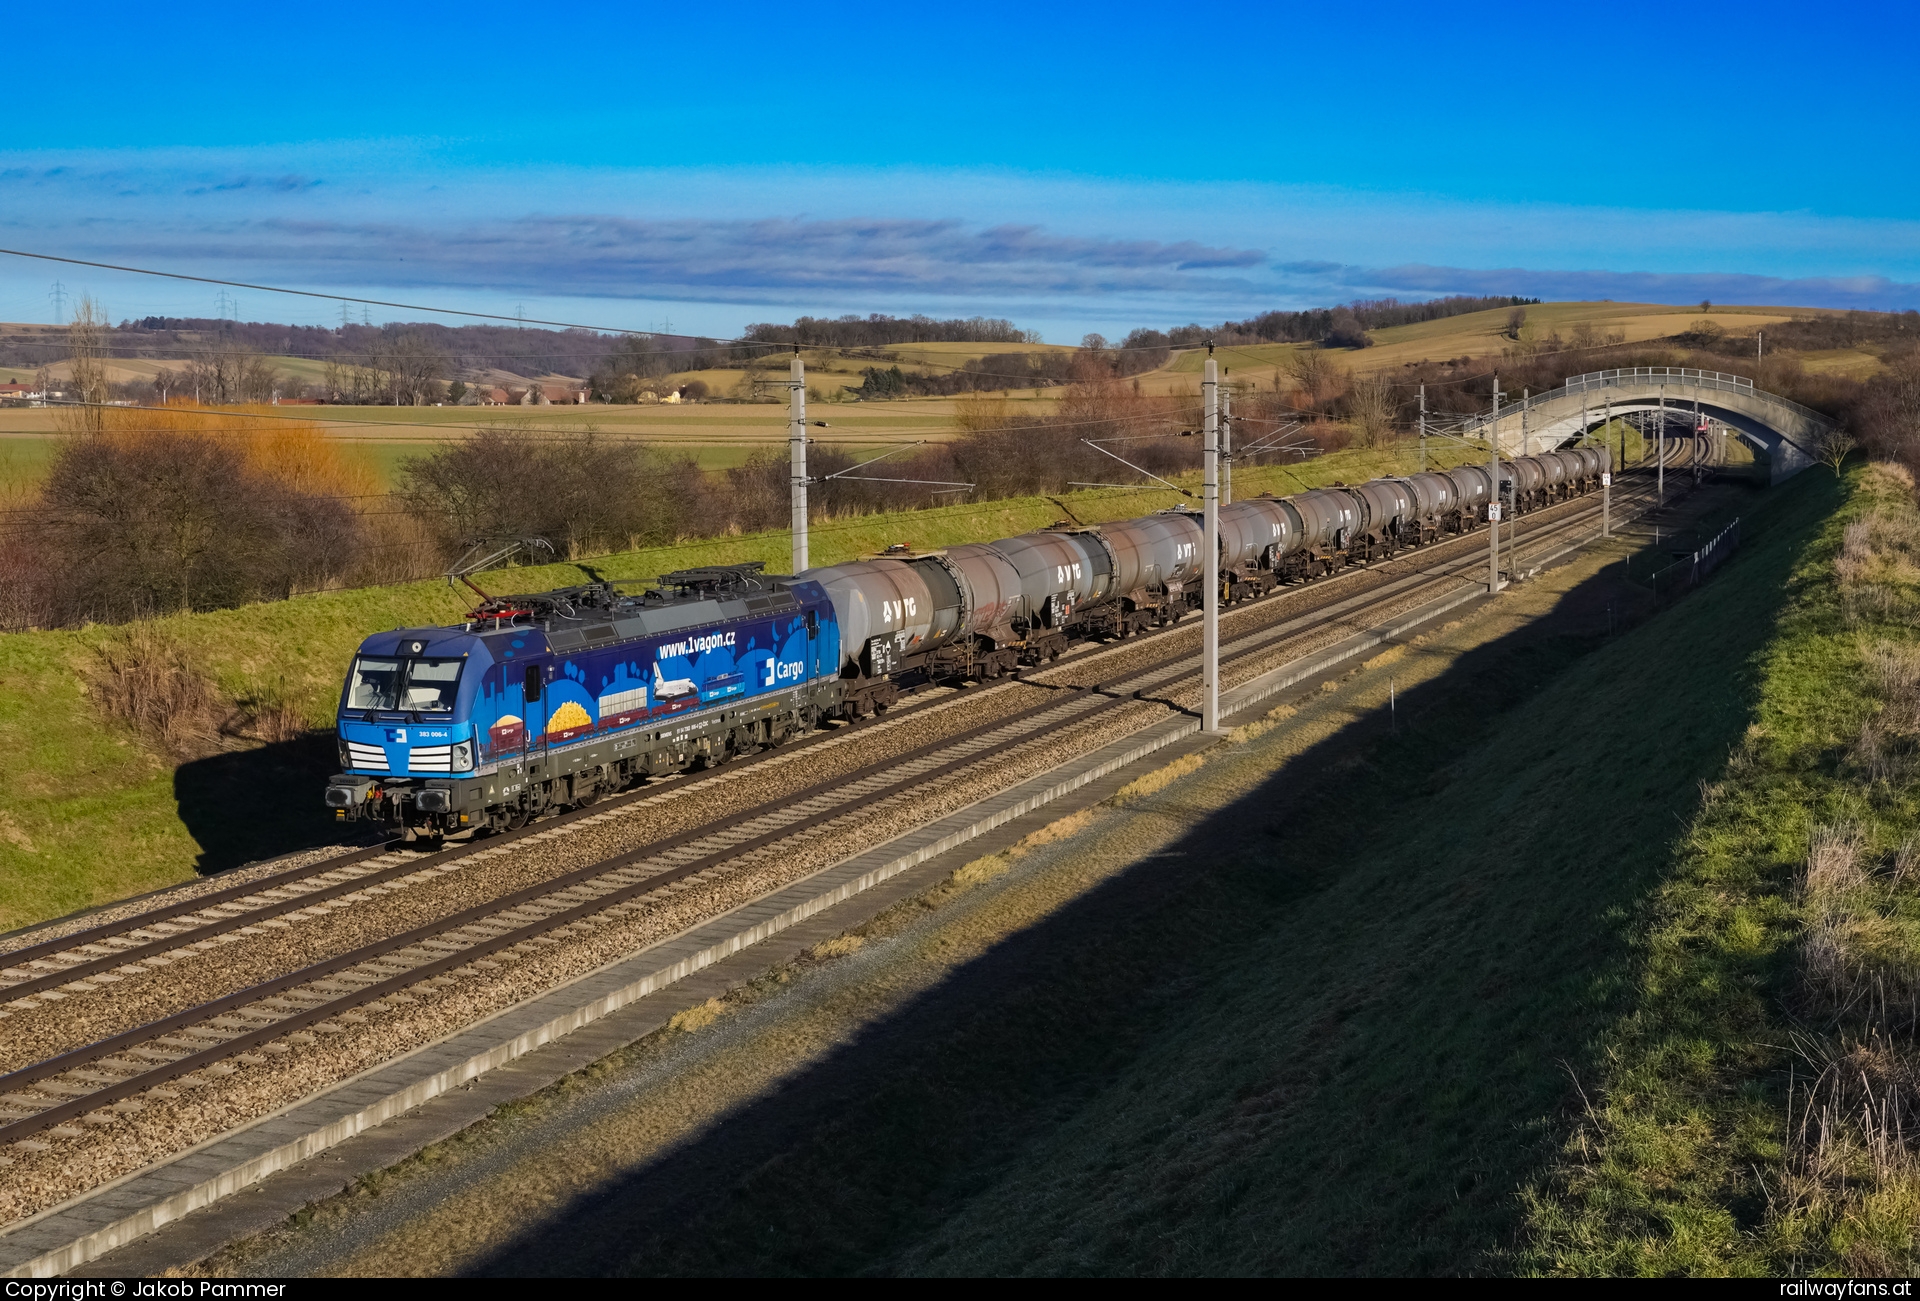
(176,340)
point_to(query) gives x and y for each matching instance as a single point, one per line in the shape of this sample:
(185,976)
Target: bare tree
(345,382)
(87,343)
(1370,412)
(1833,447)
(1515,319)
(1316,374)
(229,374)
(410,366)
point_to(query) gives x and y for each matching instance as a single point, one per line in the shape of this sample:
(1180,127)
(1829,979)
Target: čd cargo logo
(778,671)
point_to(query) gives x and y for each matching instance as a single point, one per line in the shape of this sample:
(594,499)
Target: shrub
(155,512)
(581,491)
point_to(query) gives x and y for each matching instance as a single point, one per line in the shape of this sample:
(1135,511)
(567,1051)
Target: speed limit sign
(1606,481)
(1493,513)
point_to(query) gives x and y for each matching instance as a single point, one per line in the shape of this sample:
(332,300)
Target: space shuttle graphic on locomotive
(553,699)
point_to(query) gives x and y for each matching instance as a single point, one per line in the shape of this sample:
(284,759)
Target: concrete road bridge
(1785,433)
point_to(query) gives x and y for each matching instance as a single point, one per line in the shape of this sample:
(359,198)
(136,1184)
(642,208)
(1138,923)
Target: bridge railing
(1654,376)
(1679,375)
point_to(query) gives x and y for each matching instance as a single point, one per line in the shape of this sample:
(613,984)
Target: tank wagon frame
(553,699)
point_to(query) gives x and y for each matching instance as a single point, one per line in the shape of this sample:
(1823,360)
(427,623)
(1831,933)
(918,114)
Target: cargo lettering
(778,671)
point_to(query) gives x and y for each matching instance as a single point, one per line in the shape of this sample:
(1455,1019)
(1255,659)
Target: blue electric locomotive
(554,699)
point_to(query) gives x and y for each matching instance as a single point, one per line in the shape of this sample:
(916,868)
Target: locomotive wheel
(516,819)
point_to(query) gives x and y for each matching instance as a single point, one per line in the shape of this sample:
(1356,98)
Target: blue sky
(1075,168)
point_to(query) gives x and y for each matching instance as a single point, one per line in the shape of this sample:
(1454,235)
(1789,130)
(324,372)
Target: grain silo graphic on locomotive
(553,699)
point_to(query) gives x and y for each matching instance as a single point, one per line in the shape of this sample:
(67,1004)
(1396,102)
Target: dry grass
(1878,568)
(697,1017)
(1850,1167)
(1889,737)
(1849,1190)
(1157,780)
(143,678)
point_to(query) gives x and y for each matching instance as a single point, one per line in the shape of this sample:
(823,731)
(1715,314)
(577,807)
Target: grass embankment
(97,811)
(1757,1105)
(1322,1005)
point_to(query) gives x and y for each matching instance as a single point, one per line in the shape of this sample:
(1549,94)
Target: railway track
(50,964)
(103,1083)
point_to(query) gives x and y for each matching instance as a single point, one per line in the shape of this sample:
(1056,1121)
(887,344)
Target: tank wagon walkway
(1784,432)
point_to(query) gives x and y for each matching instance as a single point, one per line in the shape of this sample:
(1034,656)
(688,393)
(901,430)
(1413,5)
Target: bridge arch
(1786,433)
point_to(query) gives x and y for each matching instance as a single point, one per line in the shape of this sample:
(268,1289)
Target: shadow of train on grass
(1334,1030)
(241,806)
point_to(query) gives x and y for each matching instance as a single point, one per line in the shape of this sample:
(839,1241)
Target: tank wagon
(553,699)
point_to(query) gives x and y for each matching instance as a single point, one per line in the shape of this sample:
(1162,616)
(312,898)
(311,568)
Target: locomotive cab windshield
(425,686)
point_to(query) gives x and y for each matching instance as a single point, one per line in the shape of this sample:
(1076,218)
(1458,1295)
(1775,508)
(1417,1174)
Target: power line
(307,293)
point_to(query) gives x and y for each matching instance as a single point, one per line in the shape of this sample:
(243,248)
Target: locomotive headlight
(346,757)
(462,756)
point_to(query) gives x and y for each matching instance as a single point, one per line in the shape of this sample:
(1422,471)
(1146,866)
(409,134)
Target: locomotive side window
(431,684)
(532,691)
(375,684)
